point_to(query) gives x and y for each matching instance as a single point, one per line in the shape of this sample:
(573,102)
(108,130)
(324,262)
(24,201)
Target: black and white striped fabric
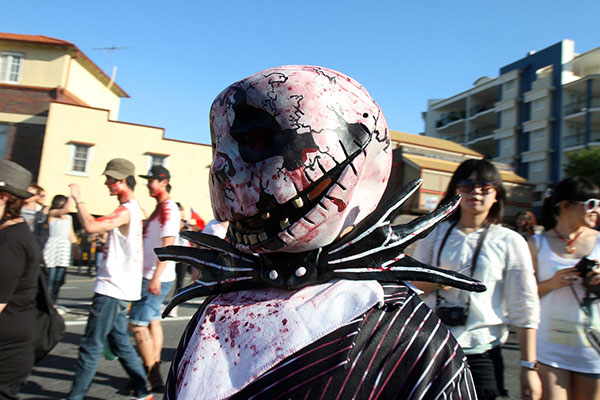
(400,350)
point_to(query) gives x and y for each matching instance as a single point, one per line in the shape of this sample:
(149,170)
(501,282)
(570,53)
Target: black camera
(584,267)
(453,316)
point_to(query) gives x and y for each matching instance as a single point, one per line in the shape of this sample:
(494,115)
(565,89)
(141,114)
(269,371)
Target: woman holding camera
(569,363)
(473,242)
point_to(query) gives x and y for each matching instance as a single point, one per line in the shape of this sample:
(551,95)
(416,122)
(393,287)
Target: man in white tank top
(118,281)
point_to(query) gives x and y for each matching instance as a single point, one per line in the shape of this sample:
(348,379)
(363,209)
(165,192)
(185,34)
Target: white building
(531,116)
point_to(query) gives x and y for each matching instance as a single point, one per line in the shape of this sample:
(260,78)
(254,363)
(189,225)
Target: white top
(561,341)
(120,274)
(57,251)
(504,266)
(215,228)
(163,222)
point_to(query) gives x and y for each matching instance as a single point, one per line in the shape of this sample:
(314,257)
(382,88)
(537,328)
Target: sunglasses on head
(468,186)
(590,204)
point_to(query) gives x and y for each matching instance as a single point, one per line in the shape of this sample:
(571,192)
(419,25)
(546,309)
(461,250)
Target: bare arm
(562,278)
(118,218)
(531,385)
(154,284)
(2,305)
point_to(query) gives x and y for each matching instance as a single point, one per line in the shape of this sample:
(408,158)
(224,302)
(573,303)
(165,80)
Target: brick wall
(30,101)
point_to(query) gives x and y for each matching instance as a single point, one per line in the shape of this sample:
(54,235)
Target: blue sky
(182,54)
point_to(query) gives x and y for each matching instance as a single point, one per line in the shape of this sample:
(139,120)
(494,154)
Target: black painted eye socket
(257,133)
(260,139)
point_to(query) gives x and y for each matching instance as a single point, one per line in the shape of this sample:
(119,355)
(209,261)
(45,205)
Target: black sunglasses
(468,186)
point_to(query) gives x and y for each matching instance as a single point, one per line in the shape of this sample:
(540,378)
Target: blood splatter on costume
(306,294)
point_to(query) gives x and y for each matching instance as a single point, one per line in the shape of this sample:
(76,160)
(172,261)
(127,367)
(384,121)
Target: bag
(50,327)
(453,316)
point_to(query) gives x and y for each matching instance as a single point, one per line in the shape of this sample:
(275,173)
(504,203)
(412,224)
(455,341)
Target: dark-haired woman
(569,365)
(473,242)
(57,252)
(19,269)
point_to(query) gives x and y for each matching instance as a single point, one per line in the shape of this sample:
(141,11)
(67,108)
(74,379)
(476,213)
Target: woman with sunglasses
(473,242)
(569,366)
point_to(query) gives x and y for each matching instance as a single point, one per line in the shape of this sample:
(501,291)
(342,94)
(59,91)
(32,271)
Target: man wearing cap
(160,230)
(118,282)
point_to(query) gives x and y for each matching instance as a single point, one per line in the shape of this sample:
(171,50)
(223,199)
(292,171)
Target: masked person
(306,293)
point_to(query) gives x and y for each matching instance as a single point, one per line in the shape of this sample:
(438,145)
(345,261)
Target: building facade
(434,160)
(531,116)
(59,119)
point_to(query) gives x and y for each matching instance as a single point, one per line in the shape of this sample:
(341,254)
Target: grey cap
(119,168)
(14,179)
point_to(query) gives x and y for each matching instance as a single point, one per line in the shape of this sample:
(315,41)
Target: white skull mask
(300,154)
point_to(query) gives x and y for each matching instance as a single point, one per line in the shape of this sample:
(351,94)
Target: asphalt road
(52,377)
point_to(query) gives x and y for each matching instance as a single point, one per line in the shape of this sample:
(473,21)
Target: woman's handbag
(50,327)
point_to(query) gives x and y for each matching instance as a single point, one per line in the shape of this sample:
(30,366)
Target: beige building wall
(83,84)
(187,162)
(42,67)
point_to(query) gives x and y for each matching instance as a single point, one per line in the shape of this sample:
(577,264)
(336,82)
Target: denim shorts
(149,307)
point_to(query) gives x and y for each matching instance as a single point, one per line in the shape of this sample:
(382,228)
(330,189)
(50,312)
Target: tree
(584,163)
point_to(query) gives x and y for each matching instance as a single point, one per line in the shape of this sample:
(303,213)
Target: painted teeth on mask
(264,228)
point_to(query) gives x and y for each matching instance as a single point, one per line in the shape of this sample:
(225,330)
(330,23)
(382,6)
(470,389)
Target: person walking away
(118,282)
(57,252)
(473,242)
(569,364)
(160,230)
(19,269)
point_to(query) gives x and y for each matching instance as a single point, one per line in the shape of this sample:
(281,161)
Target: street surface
(52,378)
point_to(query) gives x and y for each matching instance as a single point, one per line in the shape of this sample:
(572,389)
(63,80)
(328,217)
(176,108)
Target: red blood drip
(306,151)
(341,206)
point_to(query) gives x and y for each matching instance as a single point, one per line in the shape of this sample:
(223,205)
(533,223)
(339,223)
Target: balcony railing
(574,107)
(450,117)
(574,140)
(595,135)
(481,108)
(481,132)
(580,105)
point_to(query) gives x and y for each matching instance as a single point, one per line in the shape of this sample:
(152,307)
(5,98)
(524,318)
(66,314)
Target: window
(539,104)
(80,158)
(156,159)
(11,65)
(538,134)
(510,85)
(537,166)
(3,140)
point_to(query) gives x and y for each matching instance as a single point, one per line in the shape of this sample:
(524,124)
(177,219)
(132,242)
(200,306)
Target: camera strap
(486,227)
(586,306)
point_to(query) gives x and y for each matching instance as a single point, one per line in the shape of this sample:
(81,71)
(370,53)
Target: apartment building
(531,116)
(59,118)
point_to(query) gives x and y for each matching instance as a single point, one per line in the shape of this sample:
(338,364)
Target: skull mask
(300,155)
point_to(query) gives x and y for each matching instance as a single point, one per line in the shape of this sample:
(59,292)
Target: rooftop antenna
(109,50)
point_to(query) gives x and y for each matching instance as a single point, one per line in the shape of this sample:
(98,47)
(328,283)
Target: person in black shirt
(19,271)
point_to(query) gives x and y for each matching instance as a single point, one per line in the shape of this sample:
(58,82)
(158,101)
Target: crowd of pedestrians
(533,282)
